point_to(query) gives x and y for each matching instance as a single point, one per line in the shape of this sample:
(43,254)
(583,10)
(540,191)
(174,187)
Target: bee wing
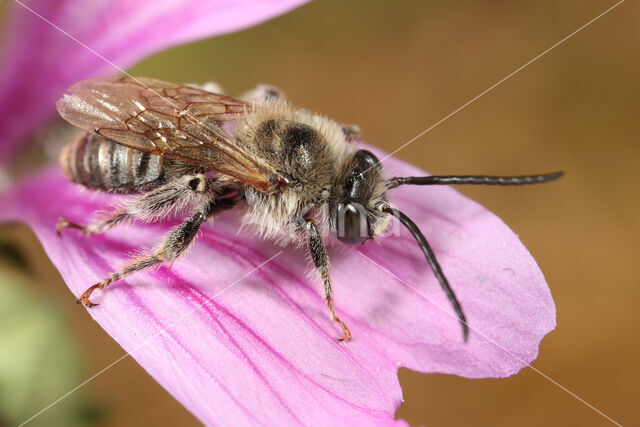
(167,119)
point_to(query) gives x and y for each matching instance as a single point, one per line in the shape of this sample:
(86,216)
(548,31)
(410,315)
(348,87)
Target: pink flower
(236,330)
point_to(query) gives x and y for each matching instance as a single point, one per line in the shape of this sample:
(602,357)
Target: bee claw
(65,223)
(61,225)
(346,333)
(84,298)
(86,303)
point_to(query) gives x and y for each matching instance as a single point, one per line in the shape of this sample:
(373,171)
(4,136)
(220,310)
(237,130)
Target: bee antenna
(433,263)
(472,180)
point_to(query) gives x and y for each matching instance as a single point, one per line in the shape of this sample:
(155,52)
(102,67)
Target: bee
(296,176)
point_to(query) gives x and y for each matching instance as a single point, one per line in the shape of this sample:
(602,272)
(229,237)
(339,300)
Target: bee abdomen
(99,164)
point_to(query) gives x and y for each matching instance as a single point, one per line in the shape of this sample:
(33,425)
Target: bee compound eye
(352,224)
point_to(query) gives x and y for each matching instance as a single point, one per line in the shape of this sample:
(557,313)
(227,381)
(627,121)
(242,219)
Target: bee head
(357,198)
(359,209)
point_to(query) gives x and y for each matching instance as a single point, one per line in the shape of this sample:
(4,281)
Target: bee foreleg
(175,245)
(155,204)
(321,261)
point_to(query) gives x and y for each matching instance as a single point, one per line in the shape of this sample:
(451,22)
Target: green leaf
(38,361)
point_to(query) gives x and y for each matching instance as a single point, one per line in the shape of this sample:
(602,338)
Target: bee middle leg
(174,245)
(155,204)
(321,261)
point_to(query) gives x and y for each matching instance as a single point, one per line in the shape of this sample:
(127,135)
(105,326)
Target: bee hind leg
(321,261)
(136,265)
(174,246)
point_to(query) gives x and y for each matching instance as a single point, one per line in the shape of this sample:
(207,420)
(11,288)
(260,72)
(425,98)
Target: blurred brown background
(396,68)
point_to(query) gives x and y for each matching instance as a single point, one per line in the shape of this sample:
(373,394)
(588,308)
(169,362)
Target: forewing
(167,119)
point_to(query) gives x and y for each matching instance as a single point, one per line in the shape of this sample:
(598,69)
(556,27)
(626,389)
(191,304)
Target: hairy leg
(155,204)
(321,261)
(174,245)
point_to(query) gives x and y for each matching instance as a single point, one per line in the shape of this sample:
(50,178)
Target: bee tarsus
(65,223)
(321,261)
(84,298)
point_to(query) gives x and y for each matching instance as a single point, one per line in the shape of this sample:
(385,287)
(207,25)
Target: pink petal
(39,62)
(264,350)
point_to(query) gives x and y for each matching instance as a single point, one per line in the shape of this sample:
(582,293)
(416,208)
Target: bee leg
(351,132)
(155,204)
(321,260)
(65,223)
(262,93)
(99,227)
(174,246)
(136,265)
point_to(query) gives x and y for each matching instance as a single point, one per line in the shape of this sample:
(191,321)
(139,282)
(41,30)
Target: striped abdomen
(100,164)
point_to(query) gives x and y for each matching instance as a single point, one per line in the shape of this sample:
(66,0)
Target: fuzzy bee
(297,176)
